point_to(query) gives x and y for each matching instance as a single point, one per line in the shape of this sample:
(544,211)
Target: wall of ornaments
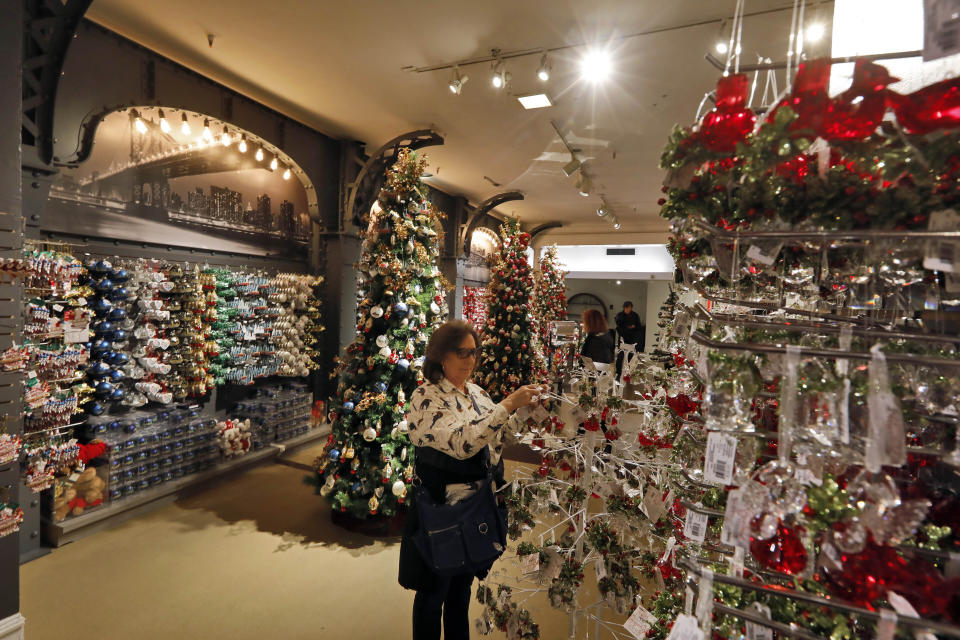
(120,355)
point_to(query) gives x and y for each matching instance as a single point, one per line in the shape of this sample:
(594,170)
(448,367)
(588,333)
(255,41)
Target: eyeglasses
(463,354)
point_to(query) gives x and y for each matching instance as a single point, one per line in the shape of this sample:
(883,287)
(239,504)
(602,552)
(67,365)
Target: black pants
(449,596)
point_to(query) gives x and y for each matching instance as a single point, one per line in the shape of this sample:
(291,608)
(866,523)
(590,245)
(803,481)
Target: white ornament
(403,427)
(382,340)
(385,352)
(399,488)
(370,434)
(434,308)
(377,312)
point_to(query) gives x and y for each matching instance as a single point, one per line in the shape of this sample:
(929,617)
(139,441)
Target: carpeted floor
(252,556)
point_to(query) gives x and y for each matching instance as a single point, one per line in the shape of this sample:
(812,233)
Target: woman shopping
(458,431)
(598,344)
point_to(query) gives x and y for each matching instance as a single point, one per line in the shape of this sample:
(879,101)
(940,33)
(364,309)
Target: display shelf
(306,438)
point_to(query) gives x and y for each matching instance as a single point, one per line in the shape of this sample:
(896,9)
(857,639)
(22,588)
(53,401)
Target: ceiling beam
(482,209)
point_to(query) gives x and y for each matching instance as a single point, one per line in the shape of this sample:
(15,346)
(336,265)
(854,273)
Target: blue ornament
(101,307)
(117,314)
(400,307)
(381,386)
(105,285)
(334,454)
(118,394)
(120,335)
(100,268)
(118,358)
(100,348)
(119,294)
(117,376)
(102,327)
(95,409)
(348,406)
(356,487)
(104,389)
(403,363)
(98,369)
(120,275)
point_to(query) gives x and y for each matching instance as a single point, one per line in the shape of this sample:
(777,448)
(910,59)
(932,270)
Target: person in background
(629,327)
(598,343)
(457,430)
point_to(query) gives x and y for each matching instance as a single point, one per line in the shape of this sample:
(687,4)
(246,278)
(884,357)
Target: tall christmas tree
(509,358)
(549,294)
(367,464)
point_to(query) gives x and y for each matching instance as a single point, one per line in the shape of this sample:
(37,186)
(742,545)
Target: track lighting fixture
(543,72)
(571,167)
(616,226)
(164,125)
(259,154)
(138,122)
(225,137)
(457,82)
(585,185)
(206,135)
(501,77)
(184,125)
(602,210)
(274,164)
(286,174)
(243,143)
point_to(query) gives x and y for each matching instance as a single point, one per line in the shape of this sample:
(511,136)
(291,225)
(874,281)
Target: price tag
(671,543)
(540,414)
(736,520)
(652,504)
(695,526)
(601,568)
(764,254)
(758,631)
(681,326)
(942,255)
(58,308)
(940,35)
(553,496)
(530,563)
(685,628)
(886,625)
(640,622)
(721,450)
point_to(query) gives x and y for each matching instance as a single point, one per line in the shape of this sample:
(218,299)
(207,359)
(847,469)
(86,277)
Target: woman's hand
(522,397)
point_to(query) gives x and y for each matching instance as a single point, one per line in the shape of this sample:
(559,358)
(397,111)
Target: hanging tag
(705,600)
(653,506)
(588,364)
(687,602)
(886,440)
(765,253)
(553,496)
(601,569)
(903,607)
(788,404)
(821,149)
(685,627)
(695,525)
(741,507)
(671,543)
(736,562)
(721,451)
(640,622)
(843,365)
(886,625)
(681,326)
(758,631)
(942,255)
(530,562)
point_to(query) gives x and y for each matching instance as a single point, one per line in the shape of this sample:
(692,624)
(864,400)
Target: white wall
(611,293)
(592,261)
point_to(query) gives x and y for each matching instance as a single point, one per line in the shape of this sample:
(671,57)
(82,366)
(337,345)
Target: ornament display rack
(213,409)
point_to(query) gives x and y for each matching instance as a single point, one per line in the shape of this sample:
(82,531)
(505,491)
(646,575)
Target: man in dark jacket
(629,327)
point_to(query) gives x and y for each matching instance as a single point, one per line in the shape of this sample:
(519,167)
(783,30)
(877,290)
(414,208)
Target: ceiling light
(814,32)
(286,174)
(184,125)
(138,122)
(456,84)
(206,135)
(225,138)
(544,71)
(618,282)
(274,164)
(535,101)
(722,47)
(243,143)
(585,186)
(500,76)
(595,66)
(616,227)
(571,167)
(164,125)
(259,154)
(602,209)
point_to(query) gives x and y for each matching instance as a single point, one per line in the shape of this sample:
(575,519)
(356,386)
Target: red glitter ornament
(783,552)
(731,121)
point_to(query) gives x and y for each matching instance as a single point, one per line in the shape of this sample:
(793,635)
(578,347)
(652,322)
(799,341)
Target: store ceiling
(339,68)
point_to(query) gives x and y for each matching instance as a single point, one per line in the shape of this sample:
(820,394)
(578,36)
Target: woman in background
(598,344)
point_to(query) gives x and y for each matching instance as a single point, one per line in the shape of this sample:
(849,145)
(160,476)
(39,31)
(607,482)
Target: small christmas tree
(549,299)
(509,358)
(665,318)
(368,461)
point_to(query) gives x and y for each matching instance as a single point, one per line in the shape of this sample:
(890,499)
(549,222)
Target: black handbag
(462,538)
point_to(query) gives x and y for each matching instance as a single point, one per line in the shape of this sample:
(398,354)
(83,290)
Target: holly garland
(367,464)
(508,359)
(549,303)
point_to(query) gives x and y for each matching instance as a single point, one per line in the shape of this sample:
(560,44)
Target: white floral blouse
(456,423)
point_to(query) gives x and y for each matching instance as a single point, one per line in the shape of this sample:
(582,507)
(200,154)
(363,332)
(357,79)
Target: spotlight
(138,122)
(602,210)
(500,76)
(814,32)
(585,186)
(274,164)
(618,282)
(259,155)
(164,125)
(206,135)
(243,143)
(595,66)
(544,71)
(184,125)
(722,47)
(456,84)
(616,226)
(286,174)
(571,167)
(225,138)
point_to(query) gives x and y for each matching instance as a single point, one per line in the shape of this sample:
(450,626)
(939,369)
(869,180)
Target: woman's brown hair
(445,339)
(593,321)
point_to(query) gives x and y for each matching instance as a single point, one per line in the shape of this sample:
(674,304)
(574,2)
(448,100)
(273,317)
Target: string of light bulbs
(227,137)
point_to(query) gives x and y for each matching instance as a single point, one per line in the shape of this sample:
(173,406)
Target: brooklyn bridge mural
(179,185)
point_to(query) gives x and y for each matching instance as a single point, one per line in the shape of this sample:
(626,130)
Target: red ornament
(931,108)
(809,99)
(857,112)
(783,552)
(731,122)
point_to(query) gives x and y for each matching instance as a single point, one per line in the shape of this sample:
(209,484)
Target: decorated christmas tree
(475,306)
(509,358)
(549,299)
(665,317)
(367,464)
